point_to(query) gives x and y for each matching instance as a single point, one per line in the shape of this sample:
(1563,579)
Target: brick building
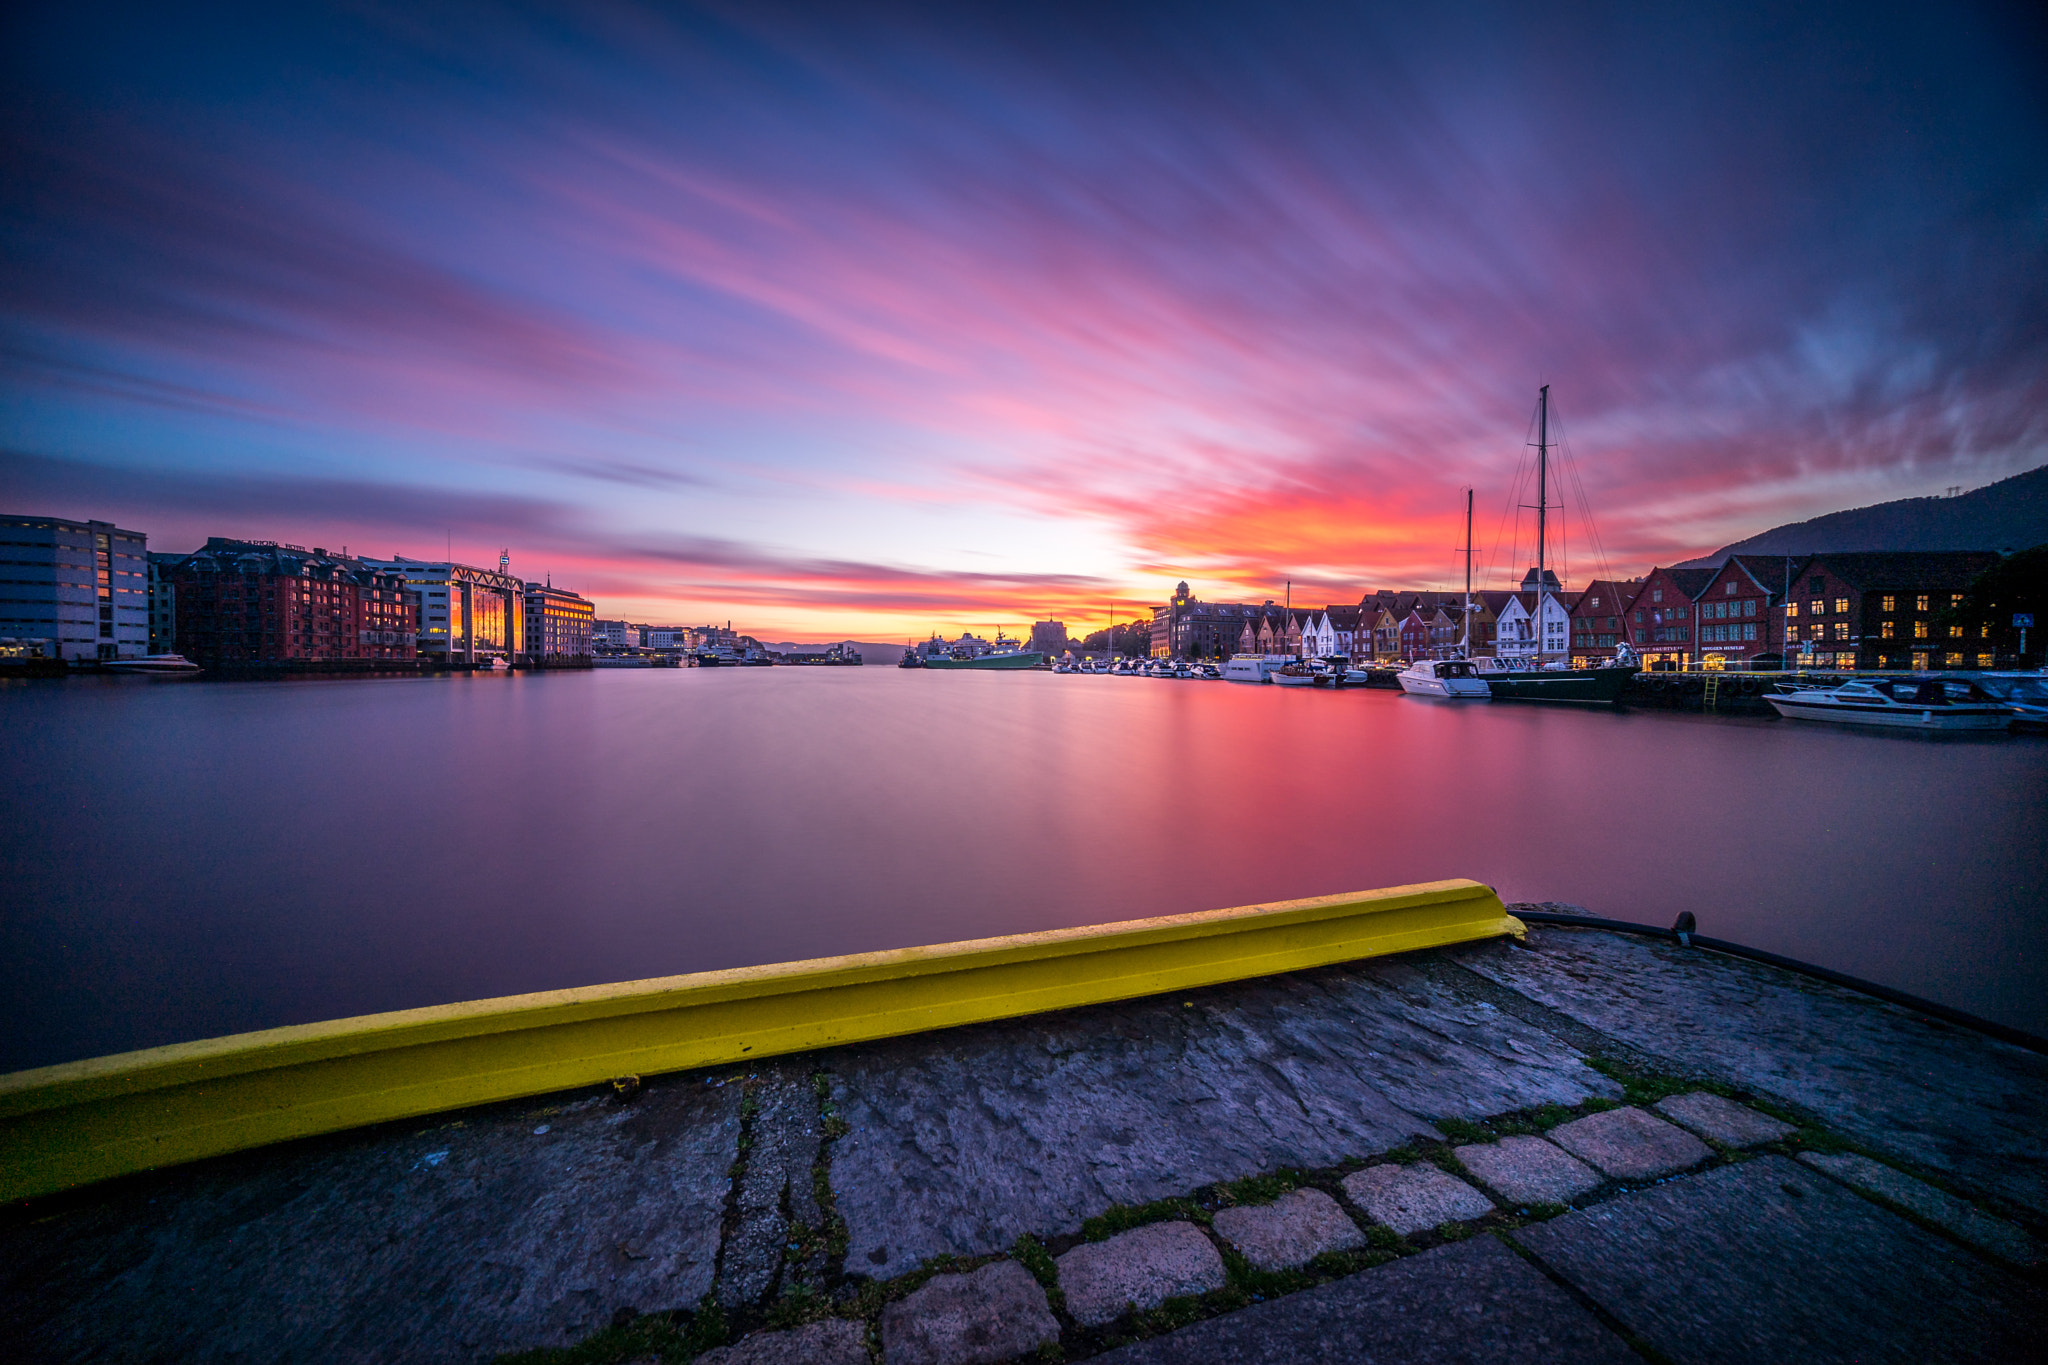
(1597,620)
(1739,614)
(1659,622)
(259,602)
(1878,610)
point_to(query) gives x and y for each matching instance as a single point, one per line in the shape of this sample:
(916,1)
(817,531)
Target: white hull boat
(1898,703)
(1443,678)
(155,666)
(1254,668)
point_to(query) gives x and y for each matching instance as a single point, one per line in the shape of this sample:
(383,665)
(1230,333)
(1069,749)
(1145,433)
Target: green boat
(1596,685)
(1015,658)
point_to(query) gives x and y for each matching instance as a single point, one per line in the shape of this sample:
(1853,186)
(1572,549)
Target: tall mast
(1465,643)
(1542,480)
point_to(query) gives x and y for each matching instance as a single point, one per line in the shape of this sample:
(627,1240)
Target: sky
(869,320)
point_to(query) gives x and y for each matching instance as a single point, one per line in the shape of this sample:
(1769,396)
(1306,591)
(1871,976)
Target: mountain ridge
(2009,515)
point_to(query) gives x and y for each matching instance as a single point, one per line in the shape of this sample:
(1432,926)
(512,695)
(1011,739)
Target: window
(1891,603)
(1920,602)
(1919,660)
(1841,630)
(1791,610)
(1955,599)
(1749,606)
(1984,632)
(1813,586)
(1729,588)
(1841,606)
(1656,594)
(1886,631)
(1749,630)
(1953,660)
(1919,630)
(1817,608)
(1955,632)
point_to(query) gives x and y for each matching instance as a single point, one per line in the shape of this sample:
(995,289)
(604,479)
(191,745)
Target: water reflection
(188,860)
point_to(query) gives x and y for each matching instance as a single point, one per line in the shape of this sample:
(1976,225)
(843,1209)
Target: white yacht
(155,666)
(1297,673)
(1254,668)
(1443,678)
(1902,703)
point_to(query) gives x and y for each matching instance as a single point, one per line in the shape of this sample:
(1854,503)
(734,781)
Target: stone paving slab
(836,1341)
(990,1314)
(1291,1231)
(1411,1198)
(1722,1120)
(1143,1268)
(1528,1170)
(1766,1260)
(1469,1303)
(785,1136)
(1917,1090)
(1937,1206)
(1628,1144)
(510,1227)
(965,1139)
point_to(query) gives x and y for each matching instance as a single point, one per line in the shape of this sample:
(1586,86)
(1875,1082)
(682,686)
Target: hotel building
(80,586)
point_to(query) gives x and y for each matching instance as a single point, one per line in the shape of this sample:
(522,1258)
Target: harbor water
(186,859)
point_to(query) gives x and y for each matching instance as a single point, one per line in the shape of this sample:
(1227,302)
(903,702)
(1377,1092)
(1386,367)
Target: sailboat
(1453,678)
(1515,679)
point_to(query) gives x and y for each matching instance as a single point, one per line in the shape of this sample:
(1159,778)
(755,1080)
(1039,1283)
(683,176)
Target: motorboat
(155,666)
(1901,703)
(1443,678)
(2025,693)
(1299,674)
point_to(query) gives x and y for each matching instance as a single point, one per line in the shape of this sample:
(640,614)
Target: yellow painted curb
(68,1125)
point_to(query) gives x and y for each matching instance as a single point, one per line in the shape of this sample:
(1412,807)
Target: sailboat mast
(1465,643)
(1542,479)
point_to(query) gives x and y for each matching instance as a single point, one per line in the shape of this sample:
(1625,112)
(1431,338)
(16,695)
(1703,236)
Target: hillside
(2011,514)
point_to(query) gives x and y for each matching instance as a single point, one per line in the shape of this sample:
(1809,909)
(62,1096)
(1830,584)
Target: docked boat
(1443,678)
(1254,668)
(1510,679)
(1298,674)
(155,666)
(1901,703)
(1005,655)
(2025,693)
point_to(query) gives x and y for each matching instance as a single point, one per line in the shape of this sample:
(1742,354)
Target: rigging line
(1571,465)
(1523,465)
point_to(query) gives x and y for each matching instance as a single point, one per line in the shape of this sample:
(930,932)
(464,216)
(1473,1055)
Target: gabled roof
(1615,596)
(1345,618)
(1691,582)
(1494,600)
(1908,570)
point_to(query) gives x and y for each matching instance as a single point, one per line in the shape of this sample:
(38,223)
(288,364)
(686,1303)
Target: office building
(82,586)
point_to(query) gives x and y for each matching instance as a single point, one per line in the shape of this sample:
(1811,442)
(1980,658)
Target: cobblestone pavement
(1580,1150)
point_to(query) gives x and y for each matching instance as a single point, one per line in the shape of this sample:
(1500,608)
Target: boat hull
(989,661)
(1460,689)
(1595,686)
(1901,717)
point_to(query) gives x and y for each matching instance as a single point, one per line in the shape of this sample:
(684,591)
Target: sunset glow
(842,323)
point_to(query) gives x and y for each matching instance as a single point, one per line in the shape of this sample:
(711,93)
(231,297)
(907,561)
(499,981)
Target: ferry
(1900,703)
(1004,655)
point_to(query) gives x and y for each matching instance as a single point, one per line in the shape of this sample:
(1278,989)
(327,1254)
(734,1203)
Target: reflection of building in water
(467,615)
(80,585)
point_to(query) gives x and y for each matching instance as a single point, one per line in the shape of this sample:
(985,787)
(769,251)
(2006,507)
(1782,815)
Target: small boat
(2025,693)
(1443,678)
(1299,674)
(1902,703)
(155,666)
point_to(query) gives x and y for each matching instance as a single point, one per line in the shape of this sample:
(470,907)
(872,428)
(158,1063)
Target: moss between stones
(679,1336)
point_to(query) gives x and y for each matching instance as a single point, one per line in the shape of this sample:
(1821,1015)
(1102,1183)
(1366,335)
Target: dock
(1579,1146)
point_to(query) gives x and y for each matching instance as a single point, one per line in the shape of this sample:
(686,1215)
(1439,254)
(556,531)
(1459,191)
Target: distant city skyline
(864,321)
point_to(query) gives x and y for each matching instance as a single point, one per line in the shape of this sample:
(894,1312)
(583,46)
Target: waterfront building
(1189,628)
(718,637)
(1318,635)
(1487,605)
(1597,620)
(1535,622)
(1414,633)
(163,596)
(1878,610)
(81,585)
(669,639)
(616,636)
(1659,621)
(1739,615)
(1346,625)
(558,624)
(1050,637)
(242,602)
(468,616)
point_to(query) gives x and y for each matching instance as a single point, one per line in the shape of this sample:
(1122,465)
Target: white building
(467,615)
(1536,621)
(1319,637)
(83,586)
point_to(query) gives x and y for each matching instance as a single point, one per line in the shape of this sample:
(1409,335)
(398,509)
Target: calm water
(190,859)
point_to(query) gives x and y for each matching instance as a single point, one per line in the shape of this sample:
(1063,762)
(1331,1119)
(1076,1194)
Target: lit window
(1955,599)
(1919,630)
(1985,661)
(1920,602)
(1984,632)
(1818,607)
(1791,610)
(1841,606)
(1955,632)
(1891,603)
(1886,631)
(1841,630)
